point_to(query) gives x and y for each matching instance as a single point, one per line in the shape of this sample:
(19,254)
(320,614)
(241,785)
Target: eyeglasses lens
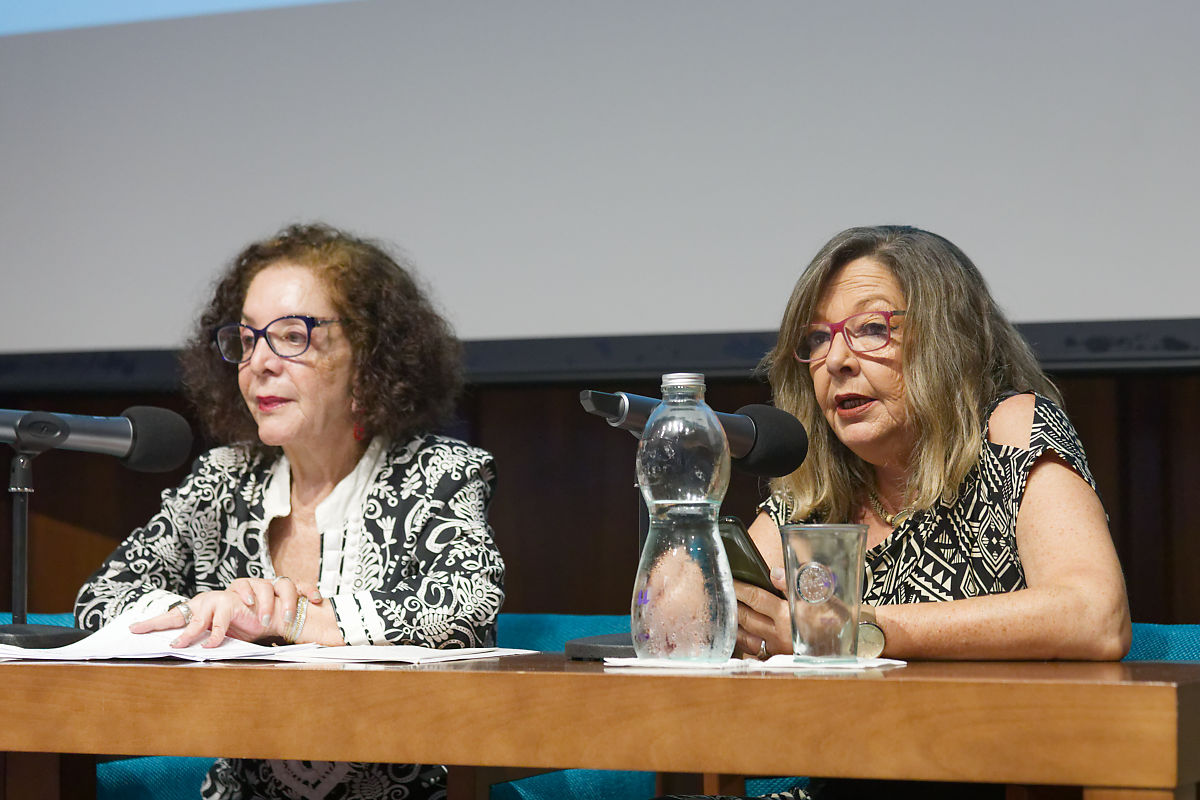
(230,342)
(863,332)
(867,332)
(288,336)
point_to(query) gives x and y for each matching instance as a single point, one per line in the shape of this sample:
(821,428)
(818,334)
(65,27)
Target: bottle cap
(683,379)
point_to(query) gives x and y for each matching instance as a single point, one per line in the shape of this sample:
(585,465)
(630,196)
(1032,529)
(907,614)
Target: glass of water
(824,588)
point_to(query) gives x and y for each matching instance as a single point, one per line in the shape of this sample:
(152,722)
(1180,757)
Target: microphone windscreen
(780,442)
(162,440)
(601,404)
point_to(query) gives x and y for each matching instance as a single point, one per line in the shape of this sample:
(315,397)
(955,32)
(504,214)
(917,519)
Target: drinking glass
(824,588)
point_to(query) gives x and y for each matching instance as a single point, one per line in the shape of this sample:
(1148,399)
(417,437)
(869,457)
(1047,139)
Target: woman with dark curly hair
(330,514)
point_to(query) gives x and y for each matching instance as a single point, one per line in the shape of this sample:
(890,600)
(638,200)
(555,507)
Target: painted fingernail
(177,643)
(266,620)
(316,598)
(248,600)
(289,616)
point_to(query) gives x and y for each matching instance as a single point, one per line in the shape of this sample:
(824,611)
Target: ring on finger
(763,655)
(281,578)
(183,608)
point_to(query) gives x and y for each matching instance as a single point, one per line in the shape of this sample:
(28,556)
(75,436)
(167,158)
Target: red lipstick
(270,402)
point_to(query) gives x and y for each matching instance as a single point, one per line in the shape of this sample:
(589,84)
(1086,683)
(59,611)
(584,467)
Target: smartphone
(745,561)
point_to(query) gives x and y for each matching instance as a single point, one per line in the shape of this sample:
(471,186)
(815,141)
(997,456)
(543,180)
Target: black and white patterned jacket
(407,556)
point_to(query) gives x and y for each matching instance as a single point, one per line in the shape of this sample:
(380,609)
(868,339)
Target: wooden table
(1119,730)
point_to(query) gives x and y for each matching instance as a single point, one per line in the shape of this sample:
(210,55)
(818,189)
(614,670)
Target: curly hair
(959,354)
(407,360)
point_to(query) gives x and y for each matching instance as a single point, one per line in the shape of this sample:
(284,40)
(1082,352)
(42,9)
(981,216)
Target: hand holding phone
(745,561)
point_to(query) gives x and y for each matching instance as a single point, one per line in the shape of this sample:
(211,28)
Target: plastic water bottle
(683,602)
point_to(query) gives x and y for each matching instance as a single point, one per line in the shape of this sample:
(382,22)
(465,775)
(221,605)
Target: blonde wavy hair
(958,354)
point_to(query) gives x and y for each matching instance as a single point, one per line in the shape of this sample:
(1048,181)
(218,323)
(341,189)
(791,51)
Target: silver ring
(279,578)
(763,655)
(183,608)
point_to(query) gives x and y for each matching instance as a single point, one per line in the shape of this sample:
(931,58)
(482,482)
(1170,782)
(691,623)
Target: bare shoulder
(1012,421)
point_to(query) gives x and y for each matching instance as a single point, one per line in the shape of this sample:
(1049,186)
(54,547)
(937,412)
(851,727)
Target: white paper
(785,661)
(115,640)
(780,662)
(675,664)
(405,654)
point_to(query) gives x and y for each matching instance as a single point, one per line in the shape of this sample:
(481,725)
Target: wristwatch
(870,636)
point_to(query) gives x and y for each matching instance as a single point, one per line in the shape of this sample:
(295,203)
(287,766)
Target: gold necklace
(891,520)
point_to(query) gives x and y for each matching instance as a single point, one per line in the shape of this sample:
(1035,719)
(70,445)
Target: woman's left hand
(262,594)
(763,618)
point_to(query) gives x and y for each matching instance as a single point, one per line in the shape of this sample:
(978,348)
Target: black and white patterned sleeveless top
(967,548)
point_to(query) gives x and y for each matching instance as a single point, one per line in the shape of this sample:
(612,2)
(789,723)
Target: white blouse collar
(345,500)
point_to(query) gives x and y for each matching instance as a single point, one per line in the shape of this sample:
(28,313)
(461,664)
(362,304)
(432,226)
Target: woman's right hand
(250,609)
(217,614)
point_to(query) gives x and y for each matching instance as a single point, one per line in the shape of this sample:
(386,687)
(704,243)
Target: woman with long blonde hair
(931,422)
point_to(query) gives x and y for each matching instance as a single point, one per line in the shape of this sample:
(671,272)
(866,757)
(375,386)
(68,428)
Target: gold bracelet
(293,631)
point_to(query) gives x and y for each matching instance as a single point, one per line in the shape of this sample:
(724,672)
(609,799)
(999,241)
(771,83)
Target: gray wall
(570,168)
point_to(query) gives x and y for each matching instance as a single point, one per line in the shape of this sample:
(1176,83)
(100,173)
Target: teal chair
(551,632)
(62,620)
(1164,643)
(151,778)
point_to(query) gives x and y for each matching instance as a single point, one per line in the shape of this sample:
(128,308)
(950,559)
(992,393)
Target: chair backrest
(1164,643)
(550,632)
(64,619)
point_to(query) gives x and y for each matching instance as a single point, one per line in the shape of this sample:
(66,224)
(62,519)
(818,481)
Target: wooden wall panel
(1183,491)
(565,512)
(1143,442)
(1143,519)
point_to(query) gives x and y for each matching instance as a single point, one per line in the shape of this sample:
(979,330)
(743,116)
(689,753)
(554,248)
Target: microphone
(145,438)
(763,440)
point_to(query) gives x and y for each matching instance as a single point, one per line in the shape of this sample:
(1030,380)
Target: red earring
(360,433)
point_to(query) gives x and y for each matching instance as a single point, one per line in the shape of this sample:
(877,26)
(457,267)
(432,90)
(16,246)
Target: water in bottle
(683,602)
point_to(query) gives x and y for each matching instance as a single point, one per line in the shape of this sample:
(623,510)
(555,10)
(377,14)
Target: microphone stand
(30,441)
